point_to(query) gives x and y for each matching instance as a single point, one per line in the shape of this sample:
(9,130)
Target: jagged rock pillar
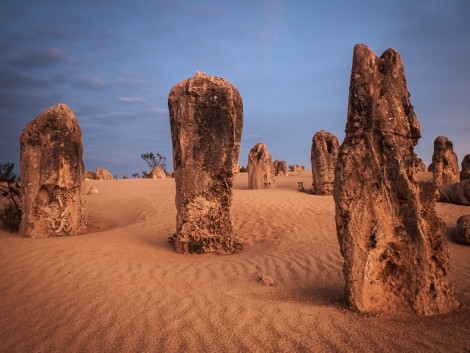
(206,118)
(52,175)
(260,168)
(395,254)
(445,165)
(323,157)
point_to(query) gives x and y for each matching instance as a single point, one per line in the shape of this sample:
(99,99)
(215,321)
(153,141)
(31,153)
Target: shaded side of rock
(280,168)
(445,166)
(395,254)
(323,156)
(206,118)
(465,171)
(103,174)
(458,193)
(260,168)
(462,231)
(52,175)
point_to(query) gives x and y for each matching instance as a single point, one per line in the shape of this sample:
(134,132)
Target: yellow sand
(122,288)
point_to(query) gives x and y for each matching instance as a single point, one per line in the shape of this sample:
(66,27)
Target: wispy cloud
(88,82)
(41,57)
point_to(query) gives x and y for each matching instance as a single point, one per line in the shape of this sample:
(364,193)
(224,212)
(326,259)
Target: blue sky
(114,63)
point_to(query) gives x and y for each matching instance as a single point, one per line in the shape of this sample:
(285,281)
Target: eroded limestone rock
(206,118)
(323,156)
(465,172)
(462,231)
(444,166)
(458,193)
(395,254)
(260,168)
(103,174)
(280,168)
(52,175)
(158,173)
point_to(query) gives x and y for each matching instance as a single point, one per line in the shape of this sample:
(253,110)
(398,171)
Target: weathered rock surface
(297,168)
(395,254)
(323,156)
(206,118)
(158,173)
(458,193)
(103,174)
(462,231)
(52,175)
(465,172)
(280,168)
(444,166)
(260,168)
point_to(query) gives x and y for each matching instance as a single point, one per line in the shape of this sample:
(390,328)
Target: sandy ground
(122,288)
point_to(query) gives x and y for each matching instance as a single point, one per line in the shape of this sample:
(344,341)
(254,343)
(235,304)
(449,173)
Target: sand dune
(122,288)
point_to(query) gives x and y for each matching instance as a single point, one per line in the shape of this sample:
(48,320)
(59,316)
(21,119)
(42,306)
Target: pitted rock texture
(52,175)
(462,231)
(206,118)
(444,166)
(260,168)
(458,193)
(280,168)
(323,156)
(465,172)
(395,255)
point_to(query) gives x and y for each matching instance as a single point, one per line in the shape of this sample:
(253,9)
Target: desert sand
(122,288)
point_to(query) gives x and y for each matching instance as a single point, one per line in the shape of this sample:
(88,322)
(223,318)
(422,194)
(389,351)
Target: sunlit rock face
(395,254)
(206,118)
(52,175)
(445,165)
(103,174)
(323,156)
(260,168)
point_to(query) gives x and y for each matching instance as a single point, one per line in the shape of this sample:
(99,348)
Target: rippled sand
(122,288)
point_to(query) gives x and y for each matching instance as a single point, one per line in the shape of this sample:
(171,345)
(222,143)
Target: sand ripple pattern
(122,288)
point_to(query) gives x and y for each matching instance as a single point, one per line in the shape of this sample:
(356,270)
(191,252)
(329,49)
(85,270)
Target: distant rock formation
(465,172)
(421,166)
(458,193)
(103,174)
(323,156)
(395,254)
(462,231)
(206,118)
(280,168)
(445,166)
(157,173)
(260,168)
(89,174)
(52,175)
(296,168)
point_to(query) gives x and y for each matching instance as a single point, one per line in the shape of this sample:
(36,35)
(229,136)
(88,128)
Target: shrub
(10,190)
